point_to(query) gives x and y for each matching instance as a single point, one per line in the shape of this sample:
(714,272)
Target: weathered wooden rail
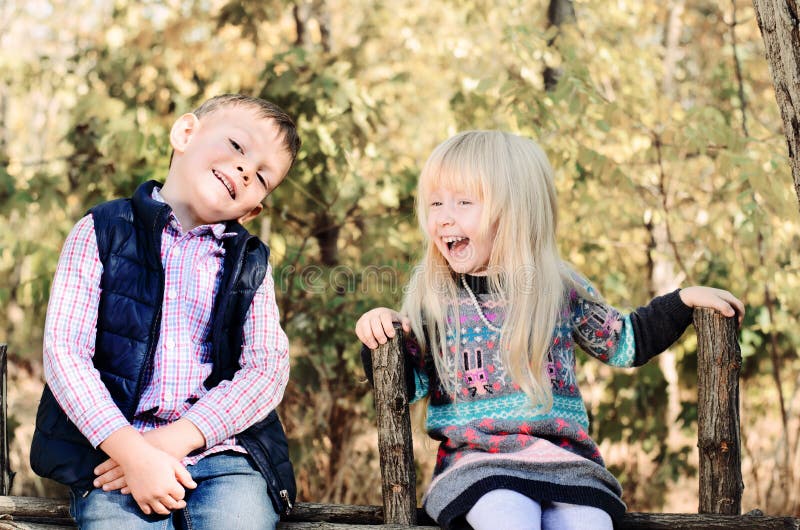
(721,484)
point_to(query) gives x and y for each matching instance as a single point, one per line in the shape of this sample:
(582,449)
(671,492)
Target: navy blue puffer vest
(129,319)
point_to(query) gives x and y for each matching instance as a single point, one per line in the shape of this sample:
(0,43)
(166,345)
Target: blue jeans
(231,493)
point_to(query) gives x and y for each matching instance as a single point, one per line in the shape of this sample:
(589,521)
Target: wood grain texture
(779,22)
(23,512)
(6,475)
(719,361)
(398,475)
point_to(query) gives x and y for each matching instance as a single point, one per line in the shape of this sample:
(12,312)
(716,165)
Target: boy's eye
(236,145)
(261,179)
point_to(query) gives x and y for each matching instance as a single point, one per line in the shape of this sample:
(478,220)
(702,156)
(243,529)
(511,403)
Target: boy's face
(225,164)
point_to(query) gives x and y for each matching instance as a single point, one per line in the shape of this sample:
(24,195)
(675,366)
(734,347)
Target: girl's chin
(464,268)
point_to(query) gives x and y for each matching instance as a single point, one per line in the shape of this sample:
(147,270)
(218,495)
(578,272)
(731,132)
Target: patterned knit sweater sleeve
(627,340)
(417,378)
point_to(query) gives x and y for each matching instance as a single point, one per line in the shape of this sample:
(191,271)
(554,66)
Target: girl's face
(454,226)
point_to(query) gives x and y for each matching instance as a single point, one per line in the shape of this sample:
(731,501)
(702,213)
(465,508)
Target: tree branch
(738,68)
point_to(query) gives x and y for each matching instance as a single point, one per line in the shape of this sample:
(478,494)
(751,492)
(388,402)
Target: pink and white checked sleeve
(69,338)
(257,388)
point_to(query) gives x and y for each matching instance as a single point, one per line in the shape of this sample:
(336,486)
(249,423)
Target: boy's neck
(181,210)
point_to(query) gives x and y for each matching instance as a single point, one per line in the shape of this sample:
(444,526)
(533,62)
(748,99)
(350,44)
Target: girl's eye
(436,203)
(236,146)
(465,202)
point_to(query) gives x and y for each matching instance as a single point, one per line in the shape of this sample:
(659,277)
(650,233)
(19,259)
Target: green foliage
(659,184)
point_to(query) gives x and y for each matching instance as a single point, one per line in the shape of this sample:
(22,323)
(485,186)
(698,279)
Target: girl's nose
(445,219)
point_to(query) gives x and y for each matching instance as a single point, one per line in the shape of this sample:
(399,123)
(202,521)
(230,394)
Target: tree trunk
(559,12)
(394,434)
(5,469)
(779,22)
(719,361)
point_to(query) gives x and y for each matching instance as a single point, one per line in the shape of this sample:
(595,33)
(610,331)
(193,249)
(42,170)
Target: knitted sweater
(490,436)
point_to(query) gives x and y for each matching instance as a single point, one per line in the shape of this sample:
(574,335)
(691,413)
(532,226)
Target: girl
(495,317)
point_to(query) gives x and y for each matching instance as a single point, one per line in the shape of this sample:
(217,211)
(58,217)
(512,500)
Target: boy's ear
(252,214)
(182,131)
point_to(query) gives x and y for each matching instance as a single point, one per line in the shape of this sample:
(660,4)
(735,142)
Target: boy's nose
(245,175)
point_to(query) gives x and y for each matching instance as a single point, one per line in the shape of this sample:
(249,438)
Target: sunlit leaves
(637,142)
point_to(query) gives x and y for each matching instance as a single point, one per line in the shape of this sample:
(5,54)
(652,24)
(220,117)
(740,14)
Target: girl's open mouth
(456,244)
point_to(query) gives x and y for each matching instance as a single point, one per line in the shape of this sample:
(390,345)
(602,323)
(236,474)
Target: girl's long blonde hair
(514,180)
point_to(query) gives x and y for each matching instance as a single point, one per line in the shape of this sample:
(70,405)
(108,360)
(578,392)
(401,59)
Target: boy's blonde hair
(514,180)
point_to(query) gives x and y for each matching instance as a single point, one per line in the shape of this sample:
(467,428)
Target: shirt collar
(216,229)
(478,284)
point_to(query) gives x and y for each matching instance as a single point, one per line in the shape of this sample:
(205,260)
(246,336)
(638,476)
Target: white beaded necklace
(477,306)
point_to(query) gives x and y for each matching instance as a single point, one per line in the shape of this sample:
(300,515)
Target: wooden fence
(719,506)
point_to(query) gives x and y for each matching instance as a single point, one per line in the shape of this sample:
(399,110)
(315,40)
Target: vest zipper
(276,483)
(251,442)
(285,496)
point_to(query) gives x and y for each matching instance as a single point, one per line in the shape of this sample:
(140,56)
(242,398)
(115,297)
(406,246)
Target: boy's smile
(227,182)
(454,225)
(225,164)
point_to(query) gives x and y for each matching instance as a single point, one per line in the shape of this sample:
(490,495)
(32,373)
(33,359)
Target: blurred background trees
(659,117)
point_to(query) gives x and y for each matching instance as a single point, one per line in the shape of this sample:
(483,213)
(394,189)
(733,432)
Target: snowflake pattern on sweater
(488,429)
(491,413)
(491,437)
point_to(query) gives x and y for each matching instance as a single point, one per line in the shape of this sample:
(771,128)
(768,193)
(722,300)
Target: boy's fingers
(406,323)
(112,485)
(105,466)
(185,479)
(158,507)
(171,503)
(109,476)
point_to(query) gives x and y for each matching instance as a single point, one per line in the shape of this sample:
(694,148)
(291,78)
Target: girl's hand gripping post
(376,326)
(719,299)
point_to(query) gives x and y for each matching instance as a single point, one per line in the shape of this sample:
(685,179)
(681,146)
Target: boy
(163,354)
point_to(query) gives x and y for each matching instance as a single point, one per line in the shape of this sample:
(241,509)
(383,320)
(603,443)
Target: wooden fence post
(5,468)
(394,434)
(718,363)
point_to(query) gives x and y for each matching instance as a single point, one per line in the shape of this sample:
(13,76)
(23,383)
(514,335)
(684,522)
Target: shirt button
(176,251)
(171,344)
(172,294)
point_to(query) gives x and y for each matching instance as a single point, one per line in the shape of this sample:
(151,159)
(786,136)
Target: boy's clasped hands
(151,470)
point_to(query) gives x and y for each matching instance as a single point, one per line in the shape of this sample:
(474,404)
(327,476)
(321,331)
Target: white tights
(507,509)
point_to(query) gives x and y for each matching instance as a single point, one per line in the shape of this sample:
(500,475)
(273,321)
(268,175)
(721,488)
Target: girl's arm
(634,339)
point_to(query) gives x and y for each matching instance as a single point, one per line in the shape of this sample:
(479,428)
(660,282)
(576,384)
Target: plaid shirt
(192,264)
